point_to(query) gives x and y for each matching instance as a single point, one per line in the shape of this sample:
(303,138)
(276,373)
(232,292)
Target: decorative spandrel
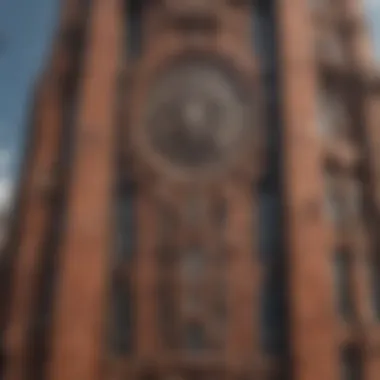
(196,116)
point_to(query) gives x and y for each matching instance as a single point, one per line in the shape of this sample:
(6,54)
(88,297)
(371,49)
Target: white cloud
(5,194)
(5,205)
(372,4)
(5,181)
(6,188)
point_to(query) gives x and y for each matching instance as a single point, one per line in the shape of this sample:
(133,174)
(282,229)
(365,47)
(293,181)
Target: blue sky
(26,32)
(373,19)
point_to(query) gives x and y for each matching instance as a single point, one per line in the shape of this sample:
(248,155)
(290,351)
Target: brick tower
(150,244)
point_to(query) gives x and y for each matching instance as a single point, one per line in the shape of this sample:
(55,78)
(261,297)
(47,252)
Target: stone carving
(196,115)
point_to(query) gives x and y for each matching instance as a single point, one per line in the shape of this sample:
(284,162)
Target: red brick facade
(94,138)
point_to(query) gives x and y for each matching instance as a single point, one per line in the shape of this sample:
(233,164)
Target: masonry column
(364,64)
(78,329)
(312,319)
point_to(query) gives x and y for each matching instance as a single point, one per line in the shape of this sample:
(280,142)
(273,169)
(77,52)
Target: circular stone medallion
(197,116)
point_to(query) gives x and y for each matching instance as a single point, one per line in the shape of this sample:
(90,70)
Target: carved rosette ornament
(195,114)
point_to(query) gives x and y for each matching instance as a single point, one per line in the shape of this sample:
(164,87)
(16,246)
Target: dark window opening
(120,321)
(121,318)
(351,361)
(273,311)
(342,269)
(133,28)
(125,223)
(195,336)
(263,34)
(273,323)
(272,288)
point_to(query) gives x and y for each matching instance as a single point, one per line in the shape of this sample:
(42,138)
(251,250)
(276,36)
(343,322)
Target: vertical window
(269,226)
(351,363)
(120,318)
(263,35)
(272,289)
(193,273)
(168,256)
(272,310)
(342,269)
(167,252)
(133,28)
(125,220)
(120,321)
(272,298)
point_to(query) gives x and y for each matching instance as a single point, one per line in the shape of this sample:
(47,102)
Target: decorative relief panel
(332,113)
(193,130)
(344,199)
(330,47)
(194,114)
